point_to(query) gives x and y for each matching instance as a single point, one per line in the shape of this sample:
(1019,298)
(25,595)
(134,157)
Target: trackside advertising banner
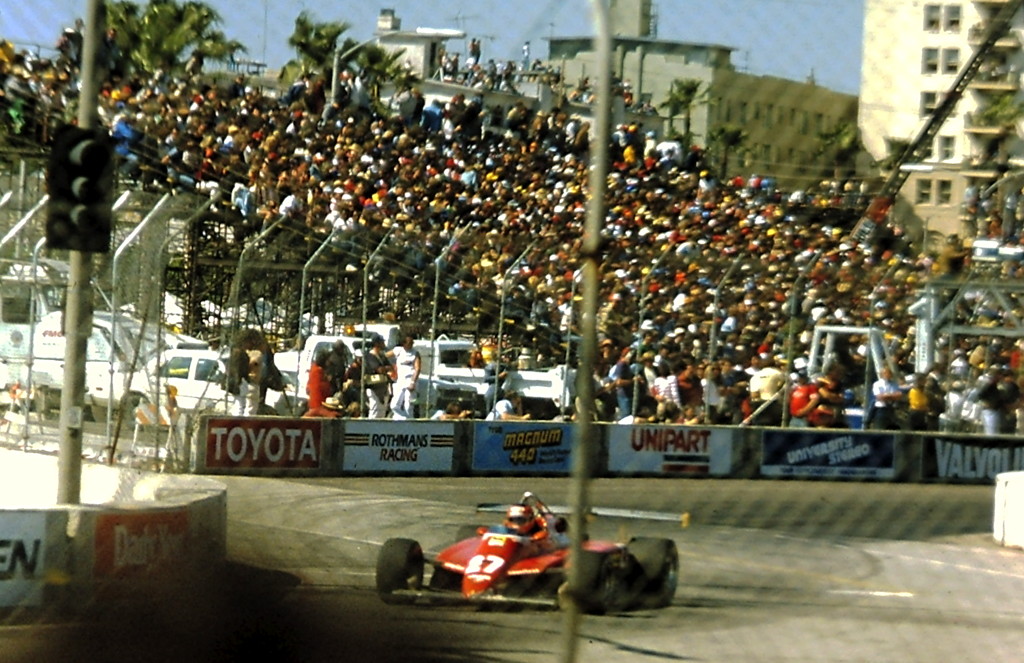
(969,461)
(670,450)
(796,453)
(398,446)
(270,443)
(140,543)
(522,446)
(22,563)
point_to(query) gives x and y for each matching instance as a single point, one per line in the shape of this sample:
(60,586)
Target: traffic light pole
(78,310)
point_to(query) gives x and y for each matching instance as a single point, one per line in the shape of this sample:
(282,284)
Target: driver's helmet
(519,518)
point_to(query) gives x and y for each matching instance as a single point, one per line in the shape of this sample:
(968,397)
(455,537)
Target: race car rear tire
(399,567)
(658,562)
(602,582)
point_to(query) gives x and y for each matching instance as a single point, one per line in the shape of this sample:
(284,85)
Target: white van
(118,360)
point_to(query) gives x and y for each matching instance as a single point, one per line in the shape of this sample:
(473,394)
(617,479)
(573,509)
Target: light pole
(645,296)
(713,333)
(791,333)
(302,286)
(568,337)
(433,316)
(501,315)
(236,282)
(366,288)
(115,314)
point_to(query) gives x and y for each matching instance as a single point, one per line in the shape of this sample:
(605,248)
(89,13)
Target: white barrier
(1008,518)
(131,530)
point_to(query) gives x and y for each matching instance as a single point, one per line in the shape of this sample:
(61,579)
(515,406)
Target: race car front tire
(602,582)
(399,567)
(658,561)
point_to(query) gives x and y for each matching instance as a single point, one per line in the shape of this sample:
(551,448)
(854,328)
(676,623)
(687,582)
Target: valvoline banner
(834,454)
(966,460)
(522,447)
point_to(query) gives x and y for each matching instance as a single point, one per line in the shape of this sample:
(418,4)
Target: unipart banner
(798,453)
(523,447)
(402,446)
(969,461)
(670,450)
(264,443)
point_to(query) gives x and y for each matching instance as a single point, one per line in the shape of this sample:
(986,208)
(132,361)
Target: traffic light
(80,183)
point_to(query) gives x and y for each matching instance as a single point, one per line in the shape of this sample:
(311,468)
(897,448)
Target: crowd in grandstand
(711,287)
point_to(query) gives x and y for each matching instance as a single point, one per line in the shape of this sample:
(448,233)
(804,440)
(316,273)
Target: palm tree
(895,148)
(683,95)
(164,33)
(380,66)
(842,143)
(724,140)
(315,44)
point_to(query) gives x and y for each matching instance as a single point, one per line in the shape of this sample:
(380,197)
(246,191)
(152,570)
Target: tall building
(913,53)
(782,119)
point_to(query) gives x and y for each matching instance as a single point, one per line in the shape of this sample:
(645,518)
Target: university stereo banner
(832,454)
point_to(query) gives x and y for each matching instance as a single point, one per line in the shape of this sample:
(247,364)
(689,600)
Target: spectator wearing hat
(330,408)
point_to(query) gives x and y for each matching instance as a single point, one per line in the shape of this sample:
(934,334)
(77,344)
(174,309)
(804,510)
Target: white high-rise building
(913,51)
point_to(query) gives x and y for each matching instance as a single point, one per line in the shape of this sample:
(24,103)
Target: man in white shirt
(888,396)
(407,373)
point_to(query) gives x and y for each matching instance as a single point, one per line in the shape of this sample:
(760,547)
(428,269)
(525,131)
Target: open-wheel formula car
(525,562)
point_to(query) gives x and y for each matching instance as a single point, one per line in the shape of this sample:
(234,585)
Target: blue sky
(788,38)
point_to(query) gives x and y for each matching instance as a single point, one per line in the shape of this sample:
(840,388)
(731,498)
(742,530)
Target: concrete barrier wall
(132,531)
(1008,515)
(477,448)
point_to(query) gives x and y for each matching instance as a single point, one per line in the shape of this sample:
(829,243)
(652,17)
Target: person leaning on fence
(377,379)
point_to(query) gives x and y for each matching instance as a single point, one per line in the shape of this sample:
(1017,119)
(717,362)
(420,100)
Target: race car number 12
(523,456)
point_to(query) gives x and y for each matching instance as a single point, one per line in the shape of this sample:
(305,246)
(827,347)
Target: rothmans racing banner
(402,446)
(670,450)
(521,446)
(836,454)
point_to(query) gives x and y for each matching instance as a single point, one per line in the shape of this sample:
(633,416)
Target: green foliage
(1004,111)
(163,34)
(683,95)
(723,141)
(314,43)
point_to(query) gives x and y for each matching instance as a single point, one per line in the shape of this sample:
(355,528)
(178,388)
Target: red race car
(525,561)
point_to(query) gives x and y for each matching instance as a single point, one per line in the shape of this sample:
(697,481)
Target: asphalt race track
(775,571)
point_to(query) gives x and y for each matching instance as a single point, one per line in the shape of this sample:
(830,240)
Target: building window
(950,60)
(952,18)
(929,100)
(924,192)
(930,61)
(945,192)
(932,17)
(947,147)
(769,116)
